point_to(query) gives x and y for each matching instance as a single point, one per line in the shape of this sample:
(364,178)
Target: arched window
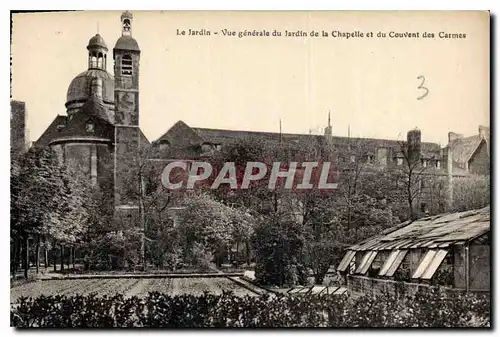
(89,126)
(126,25)
(127,65)
(99,61)
(93,61)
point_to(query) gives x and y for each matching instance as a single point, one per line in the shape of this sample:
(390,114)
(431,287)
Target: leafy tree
(214,225)
(279,242)
(471,192)
(113,250)
(46,201)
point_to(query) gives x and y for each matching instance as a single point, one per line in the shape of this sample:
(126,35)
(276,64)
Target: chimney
(328,129)
(453,136)
(414,143)
(97,88)
(484,132)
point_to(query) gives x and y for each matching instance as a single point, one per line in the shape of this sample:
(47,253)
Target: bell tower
(126,56)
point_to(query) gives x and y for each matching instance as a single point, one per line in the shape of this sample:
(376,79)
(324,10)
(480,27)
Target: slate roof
(127,43)
(431,232)
(76,127)
(80,87)
(97,41)
(52,131)
(220,136)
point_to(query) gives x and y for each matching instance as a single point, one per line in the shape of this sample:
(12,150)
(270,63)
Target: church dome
(127,43)
(97,42)
(79,89)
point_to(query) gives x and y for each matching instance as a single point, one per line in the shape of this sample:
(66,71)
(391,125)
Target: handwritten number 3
(421,87)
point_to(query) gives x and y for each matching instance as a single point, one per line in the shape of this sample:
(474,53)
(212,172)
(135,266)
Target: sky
(369,85)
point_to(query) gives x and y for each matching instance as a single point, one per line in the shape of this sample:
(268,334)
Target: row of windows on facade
(399,161)
(97,60)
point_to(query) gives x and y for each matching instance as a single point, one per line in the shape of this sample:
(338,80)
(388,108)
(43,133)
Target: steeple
(126,19)
(328,129)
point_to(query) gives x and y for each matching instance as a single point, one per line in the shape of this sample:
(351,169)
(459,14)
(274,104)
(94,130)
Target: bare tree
(143,181)
(414,174)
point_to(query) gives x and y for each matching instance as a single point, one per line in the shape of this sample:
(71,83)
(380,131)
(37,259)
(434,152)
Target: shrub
(431,309)
(199,256)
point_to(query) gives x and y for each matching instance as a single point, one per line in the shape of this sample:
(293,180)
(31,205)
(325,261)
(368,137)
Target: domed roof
(97,41)
(80,88)
(127,43)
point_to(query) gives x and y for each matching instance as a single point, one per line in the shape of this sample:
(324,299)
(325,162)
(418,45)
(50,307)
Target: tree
(279,241)
(214,225)
(471,192)
(414,173)
(142,185)
(46,201)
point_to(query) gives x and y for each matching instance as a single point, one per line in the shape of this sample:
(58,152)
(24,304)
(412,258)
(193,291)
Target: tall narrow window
(90,127)
(99,61)
(127,65)
(93,61)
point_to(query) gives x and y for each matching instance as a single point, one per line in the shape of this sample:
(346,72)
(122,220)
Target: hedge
(227,310)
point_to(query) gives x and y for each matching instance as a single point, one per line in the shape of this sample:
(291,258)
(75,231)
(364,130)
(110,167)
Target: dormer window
(164,144)
(206,148)
(90,127)
(127,65)
(399,161)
